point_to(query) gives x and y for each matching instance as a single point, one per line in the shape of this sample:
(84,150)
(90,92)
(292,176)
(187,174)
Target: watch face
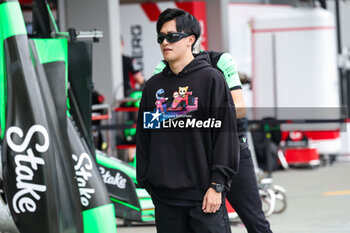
(219,188)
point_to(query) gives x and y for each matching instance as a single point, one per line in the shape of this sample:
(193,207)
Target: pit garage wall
(344,8)
(85,15)
(138,27)
(240,36)
(344,20)
(243,19)
(104,15)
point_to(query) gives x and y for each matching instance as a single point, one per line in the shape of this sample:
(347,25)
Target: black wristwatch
(218,187)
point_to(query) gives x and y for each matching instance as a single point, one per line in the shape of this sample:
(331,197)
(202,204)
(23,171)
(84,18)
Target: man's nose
(165,42)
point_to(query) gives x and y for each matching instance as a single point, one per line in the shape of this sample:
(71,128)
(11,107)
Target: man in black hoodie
(187,142)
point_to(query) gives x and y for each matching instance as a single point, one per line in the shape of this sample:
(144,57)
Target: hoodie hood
(200,61)
(203,55)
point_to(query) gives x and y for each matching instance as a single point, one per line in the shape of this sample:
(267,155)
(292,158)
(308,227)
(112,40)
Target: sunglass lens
(171,38)
(160,39)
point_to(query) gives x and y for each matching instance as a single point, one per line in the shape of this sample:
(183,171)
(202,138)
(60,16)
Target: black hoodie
(181,162)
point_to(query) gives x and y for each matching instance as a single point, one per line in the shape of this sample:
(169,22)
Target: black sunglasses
(171,37)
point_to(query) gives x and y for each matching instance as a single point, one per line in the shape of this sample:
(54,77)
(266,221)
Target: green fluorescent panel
(11,20)
(146,219)
(125,204)
(110,163)
(11,23)
(51,50)
(148,212)
(3,96)
(52,18)
(100,220)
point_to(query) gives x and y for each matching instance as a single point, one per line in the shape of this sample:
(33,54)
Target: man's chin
(168,59)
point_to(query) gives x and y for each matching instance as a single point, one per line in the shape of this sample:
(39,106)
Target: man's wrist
(219,188)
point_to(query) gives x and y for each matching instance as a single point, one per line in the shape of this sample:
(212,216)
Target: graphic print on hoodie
(181,162)
(178,104)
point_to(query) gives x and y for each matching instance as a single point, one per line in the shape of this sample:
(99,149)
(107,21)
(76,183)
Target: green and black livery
(51,180)
(38,174)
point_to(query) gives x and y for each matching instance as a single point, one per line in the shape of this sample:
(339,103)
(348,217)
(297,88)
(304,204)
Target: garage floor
(318,202)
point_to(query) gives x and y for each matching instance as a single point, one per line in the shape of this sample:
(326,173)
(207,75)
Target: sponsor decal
(193,123)
(27,161)
(117,180)
(157,120)
(137,48)
(151,120)
(83,171)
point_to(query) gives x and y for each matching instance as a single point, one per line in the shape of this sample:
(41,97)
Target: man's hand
(238,100)
(212,201)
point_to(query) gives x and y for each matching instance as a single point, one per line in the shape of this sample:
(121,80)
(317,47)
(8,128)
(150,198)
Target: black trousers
(189,219)
(244,196)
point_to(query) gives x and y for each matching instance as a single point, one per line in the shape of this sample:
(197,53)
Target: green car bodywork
(99,219)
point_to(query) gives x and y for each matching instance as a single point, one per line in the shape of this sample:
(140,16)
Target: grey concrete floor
(318,202)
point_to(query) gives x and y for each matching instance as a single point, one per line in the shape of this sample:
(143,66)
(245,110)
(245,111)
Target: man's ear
(191,40)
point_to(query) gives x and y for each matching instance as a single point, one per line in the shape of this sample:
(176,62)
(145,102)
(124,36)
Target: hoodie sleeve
(227,66)
(225,143)
(142,144)
(161,65)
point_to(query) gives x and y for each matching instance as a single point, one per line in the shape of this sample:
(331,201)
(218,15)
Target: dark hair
(185,22)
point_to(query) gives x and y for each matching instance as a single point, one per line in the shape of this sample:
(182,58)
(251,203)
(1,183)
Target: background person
(133,81)
(132,74)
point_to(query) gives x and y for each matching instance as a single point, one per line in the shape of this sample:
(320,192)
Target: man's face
(174,51)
